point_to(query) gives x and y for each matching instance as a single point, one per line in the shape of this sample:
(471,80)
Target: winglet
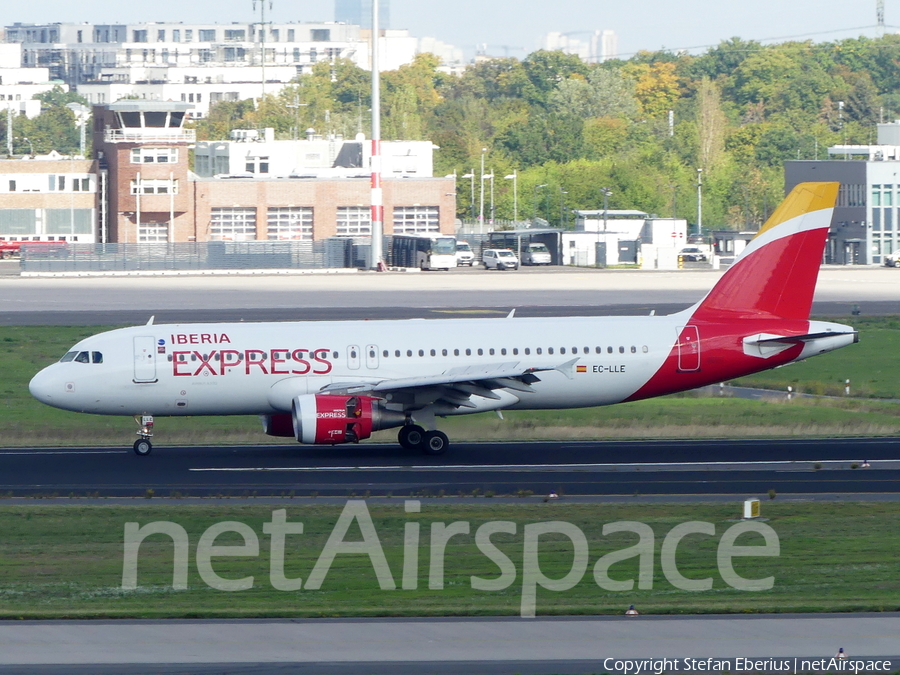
(150,322)
(511,314)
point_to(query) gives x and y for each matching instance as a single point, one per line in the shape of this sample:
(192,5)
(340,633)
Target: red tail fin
(775,276)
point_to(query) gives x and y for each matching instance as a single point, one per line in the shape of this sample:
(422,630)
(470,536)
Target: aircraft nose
(42,386)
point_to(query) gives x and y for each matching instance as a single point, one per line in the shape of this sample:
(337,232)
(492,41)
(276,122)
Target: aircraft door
(353,357)
(145,359)
(688,349)
(372,356)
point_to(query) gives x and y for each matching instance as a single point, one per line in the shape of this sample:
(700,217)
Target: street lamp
(471,176)
(700,202)
(514,177)
(561,209)
(481,207)
(607,193)
(490,177)
(536,188)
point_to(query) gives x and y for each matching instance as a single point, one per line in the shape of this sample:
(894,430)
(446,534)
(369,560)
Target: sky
(516,26)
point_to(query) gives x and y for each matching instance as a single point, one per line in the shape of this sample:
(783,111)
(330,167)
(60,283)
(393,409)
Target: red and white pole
(377,192)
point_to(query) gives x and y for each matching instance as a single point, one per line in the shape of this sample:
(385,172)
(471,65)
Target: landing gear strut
(142,446)
(414,437)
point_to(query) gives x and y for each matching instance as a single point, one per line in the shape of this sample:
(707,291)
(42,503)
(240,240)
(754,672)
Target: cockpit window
(82,358)
(68,356)
(96,357)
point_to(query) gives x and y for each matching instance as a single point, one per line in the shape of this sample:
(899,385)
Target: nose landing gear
(142,446)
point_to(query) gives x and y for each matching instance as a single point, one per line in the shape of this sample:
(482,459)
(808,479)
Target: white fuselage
(246,368)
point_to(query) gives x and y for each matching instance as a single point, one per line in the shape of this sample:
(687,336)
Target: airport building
(254,188)
(865,227)
(50,198)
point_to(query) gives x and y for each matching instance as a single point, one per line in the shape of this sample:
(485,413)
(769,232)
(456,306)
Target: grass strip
(66,561)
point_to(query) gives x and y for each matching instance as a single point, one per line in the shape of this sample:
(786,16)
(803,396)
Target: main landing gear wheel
(411,436)
(142,447)
(436,443)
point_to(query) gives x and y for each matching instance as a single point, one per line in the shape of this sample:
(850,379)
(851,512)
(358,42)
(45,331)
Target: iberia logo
(581,369)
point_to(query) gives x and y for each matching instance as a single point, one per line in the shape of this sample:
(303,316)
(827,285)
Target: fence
(214,255)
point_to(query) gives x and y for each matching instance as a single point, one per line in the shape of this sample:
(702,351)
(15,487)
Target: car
(499,259)
(464,255)
(892,260)
(536,254)
(692,254)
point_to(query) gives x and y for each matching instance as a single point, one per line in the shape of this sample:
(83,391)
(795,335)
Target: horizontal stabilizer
(807,338)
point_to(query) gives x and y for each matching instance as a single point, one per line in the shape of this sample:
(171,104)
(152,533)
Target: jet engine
(330,419)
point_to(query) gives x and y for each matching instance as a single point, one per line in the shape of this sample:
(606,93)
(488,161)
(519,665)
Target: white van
(499,259)
(536,254)
(464,255)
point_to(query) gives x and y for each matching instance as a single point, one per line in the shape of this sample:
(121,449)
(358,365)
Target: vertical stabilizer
(775,276)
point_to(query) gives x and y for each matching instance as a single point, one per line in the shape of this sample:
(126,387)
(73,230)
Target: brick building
(154,197)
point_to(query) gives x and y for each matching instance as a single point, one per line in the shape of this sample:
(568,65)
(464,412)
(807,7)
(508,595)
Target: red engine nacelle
(330,420)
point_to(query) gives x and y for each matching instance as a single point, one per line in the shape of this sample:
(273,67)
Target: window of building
(233,54)
(154,187)
(235,35)
(290,35)
(233,224)
(204,55)
(176,35)
(57,183)
(81,184)
(413,219)
(320,35)
(354,221)
(153,233)
(290,223)
(161,35)
(12,186)
(188,35)
(68,221)
(257,165)
(275,35)
(207,34)
(18,222)
(154,155)
(139,36)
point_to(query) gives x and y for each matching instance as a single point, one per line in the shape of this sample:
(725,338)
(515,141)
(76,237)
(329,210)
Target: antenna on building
(879,15)
(262,41)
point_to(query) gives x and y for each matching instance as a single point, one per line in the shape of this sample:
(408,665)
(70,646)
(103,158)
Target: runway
(448,646)
(650,468)
(461,292)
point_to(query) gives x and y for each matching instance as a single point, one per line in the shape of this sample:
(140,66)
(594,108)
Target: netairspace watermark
(745,665)
(531,576)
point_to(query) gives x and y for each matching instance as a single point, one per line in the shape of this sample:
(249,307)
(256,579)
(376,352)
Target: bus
(425,251)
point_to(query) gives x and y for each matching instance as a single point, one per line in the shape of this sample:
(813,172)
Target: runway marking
(62,452)
(524,467)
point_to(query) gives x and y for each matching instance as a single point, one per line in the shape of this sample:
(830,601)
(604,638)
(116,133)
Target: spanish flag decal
(581,369)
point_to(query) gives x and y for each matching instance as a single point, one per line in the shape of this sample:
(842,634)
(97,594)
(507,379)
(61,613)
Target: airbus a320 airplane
(338,381)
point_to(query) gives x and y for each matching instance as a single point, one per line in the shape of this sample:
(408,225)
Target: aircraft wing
(454,386)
